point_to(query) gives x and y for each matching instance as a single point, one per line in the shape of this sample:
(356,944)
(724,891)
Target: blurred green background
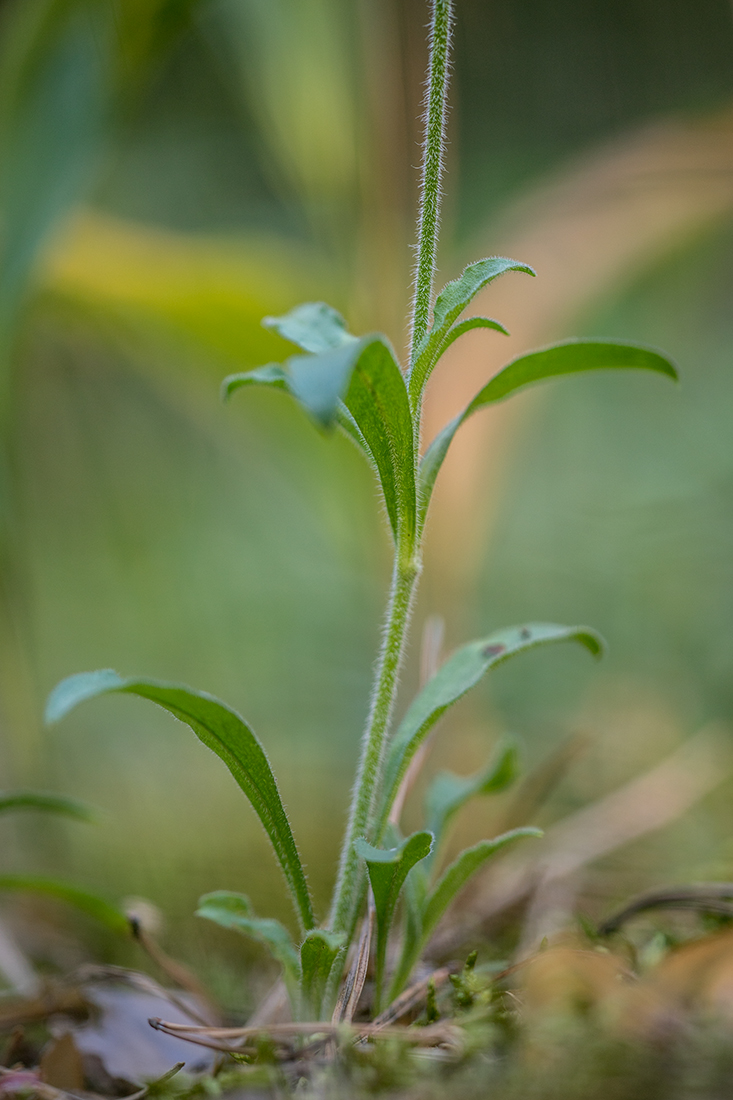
(171,171)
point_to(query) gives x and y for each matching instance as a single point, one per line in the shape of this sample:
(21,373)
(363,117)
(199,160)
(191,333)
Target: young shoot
(357,385)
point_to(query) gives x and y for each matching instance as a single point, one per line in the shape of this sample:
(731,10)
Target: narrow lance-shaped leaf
(46,802)
(449,305)
(378,402)
(235,911)
(460,673)
(319,953)
(459,872)
(313,326)
(569,357)
(223,731)
(388,869)
(450,883)
(448,792)
(82,900)
(468,325)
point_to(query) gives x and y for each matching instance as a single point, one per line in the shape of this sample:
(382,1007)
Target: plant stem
(348,892)
(432,170)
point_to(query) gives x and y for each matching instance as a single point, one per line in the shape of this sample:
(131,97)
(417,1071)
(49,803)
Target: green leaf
(235,911)
(460,673)
(448,792)
(360,385)
(271,375)
(466,326)
(223,731)
(313,326)
(378,402)
(450,303)
(317,382)
(319,953)
(569,357)
(456,295)
(458,873)
(47,803)
(424,917)
(90,904)
(388,869)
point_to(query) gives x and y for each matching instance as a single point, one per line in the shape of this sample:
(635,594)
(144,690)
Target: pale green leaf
(459,872)
(319,953)
(388,868)
(235,911)
(569,357)
(448,792)
(317,382)
(313,326)
(82,900)
(271,375)
(223,731)
(460,673)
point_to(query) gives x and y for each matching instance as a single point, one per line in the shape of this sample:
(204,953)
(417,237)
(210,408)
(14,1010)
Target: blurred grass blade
(448,792)
(460,673)
(313,326)
(86,902)
(54,97)
(46,802)
(223,731)
(449,305)
(205,293)
(319,953)
(388,868)
(378,402)
(235,911)
(569,357)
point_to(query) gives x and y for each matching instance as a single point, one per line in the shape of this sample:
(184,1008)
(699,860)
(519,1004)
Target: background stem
(432,170)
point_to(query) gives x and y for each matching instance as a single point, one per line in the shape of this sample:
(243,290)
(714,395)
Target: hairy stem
(348,893)
(432,170)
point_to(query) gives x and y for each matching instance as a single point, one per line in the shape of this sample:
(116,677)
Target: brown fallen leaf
(61,1064)
(694,981)
(566,981)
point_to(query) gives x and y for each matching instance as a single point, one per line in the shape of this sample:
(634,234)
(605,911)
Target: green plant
(358,385)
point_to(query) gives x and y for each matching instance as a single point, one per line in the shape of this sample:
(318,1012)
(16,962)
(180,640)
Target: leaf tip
(75,689)
(227,387)
(594,642)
